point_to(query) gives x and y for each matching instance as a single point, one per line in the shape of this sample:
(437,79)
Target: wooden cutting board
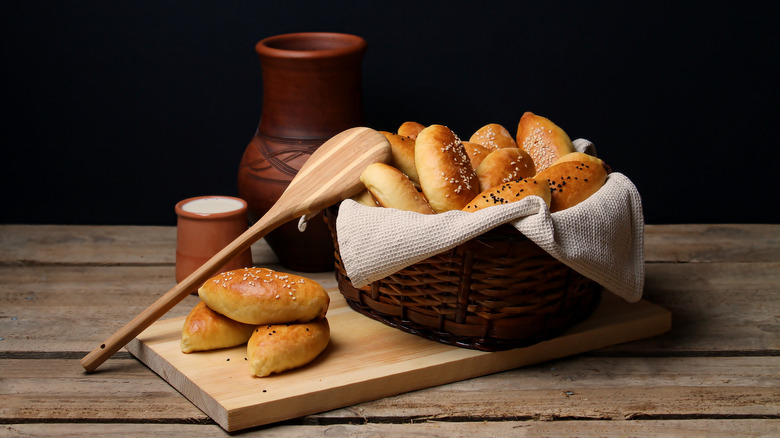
(365,360)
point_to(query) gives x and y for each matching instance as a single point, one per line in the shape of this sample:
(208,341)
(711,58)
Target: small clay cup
(205,225)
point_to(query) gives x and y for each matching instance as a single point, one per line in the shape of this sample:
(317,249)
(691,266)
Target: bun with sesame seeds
(446,177)
(544,141)
(281,347)
(510,192)
(262,296)
(504,165)
(476,153)
(205,329)
(572,182)
(392,189)
(493,136)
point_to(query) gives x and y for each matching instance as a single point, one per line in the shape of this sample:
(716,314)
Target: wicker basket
(495,292)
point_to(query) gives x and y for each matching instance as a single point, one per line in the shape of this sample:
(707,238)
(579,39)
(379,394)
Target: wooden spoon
(331,174)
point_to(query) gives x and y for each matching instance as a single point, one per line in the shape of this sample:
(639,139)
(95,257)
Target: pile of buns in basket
(281,316)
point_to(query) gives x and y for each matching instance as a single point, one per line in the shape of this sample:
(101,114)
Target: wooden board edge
(160,366)
(592,334)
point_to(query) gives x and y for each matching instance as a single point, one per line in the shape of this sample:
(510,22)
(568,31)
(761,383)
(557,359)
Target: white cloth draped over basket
(602,238)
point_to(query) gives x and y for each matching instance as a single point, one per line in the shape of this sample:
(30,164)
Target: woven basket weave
(495,292)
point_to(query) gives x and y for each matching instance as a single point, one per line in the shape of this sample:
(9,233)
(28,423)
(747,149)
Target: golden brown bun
(579,156)
(365,198)
(504,165)
(205,329)
(572,182)
(402,155)
(544,141)
(410,129)
(263,296)
(493,136)
(476,153)
(277,348)
(446,176)
(510,192)
(391,188)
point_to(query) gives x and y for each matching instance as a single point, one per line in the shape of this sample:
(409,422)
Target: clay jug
(311,91)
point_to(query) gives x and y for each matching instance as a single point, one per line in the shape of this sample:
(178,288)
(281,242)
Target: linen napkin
(602,238)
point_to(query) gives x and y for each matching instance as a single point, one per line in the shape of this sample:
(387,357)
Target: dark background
(117,110)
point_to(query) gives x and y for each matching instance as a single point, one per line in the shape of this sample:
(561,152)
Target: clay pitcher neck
(311,84)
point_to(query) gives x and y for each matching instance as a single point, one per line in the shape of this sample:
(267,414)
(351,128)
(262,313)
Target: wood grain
(432,428)
(587,388)
(714,305)
(315,186)
(713,374)
(364,361)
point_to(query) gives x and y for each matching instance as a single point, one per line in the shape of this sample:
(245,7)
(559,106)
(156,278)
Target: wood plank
(124,389)
(599,388)
(80,244)
(102,245)
(34,316)
(585,429)
(364,361)
(714,306)
(712,243)
(586,388)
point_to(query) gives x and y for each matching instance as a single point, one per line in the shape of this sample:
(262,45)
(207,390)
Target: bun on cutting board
(205,329)
(410,129)
(504,165)
(511,191)
(493,136)
(263,296)
(446,176)
(402,155)
(572,182)
(544,141)
(391,188)
(280,347)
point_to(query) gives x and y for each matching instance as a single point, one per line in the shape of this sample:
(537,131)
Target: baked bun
(510,192)
(476,153)
(579,156)
(446,176)
(410,129)
(391,188)
(263,296)
(365,198)
(544,141)
(493,137)
(205,329)
(572,182)
(504,165)
(277,348)
(402,155)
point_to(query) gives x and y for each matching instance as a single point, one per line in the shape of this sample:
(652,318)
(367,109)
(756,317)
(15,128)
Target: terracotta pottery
(311,91)
(205,225)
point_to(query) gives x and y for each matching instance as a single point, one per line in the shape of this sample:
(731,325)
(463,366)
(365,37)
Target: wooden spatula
(331,174)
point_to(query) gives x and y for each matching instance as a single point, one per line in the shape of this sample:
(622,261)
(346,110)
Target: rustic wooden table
(66,288)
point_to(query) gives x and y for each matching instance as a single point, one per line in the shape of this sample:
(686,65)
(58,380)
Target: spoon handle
(267,223)
(331,174)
